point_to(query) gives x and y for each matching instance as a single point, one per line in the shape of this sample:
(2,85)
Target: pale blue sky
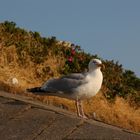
(109,28)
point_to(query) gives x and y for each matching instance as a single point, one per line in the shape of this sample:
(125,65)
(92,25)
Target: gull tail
(35,90)
(39,91)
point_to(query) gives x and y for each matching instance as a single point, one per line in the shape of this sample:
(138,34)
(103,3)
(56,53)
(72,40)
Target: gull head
(94,64)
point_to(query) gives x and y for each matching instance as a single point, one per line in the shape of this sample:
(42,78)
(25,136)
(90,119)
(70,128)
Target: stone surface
(27,125)
(90,131)
(9,109)
(61,127)
(24,119)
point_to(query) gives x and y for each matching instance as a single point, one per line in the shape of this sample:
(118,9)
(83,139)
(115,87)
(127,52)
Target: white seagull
(75,86)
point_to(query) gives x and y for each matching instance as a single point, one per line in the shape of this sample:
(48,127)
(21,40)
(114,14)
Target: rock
(14,81)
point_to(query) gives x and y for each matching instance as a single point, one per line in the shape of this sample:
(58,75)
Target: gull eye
(94,62)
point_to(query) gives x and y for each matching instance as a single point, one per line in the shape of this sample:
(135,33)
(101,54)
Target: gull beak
(101,65)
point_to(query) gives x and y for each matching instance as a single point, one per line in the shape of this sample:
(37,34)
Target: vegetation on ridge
(32,48)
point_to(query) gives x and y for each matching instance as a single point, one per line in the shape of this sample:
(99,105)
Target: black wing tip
(35,89)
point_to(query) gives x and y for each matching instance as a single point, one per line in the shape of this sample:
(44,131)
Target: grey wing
(77,76)
(62,85)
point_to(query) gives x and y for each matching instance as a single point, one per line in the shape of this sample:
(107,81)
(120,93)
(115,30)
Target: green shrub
(10,26)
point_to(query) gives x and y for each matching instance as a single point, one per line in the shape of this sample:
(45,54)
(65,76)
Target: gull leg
(82,111)
(78,108)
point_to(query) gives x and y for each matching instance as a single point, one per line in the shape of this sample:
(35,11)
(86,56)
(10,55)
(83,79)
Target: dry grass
(118,113)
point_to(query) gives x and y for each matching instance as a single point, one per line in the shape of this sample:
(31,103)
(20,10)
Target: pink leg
(78,108)
(80,111)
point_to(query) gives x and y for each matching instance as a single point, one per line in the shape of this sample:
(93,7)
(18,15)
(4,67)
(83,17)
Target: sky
(108,28)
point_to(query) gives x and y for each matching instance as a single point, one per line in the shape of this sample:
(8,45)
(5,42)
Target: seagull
(75,86)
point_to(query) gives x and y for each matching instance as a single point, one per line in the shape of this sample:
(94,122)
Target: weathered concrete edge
(41,105)
(34,102)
